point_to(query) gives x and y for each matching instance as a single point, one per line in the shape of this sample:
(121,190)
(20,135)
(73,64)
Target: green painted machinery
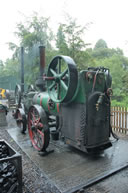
(75,106)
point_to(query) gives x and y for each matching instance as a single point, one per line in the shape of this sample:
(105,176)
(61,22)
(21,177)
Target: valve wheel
(62,79)
(18,95)
(38,132)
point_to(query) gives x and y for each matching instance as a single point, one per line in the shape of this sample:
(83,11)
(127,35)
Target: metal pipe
(22,69)
(40,83)
(42,59)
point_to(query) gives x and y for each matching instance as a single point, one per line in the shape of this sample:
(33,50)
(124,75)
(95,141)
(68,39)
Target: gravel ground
(35,181)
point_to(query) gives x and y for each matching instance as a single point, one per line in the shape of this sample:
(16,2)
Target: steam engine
(75,104)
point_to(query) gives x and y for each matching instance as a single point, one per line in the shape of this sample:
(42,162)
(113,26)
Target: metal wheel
(21,120)
(18,95)
(62,78)
(38,128)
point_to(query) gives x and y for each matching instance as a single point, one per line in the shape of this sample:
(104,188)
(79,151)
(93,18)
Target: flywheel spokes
(62,78)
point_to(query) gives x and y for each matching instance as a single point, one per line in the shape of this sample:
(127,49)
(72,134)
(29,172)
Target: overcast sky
(109,18)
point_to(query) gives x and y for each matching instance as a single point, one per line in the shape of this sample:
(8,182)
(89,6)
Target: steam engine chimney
(40,83)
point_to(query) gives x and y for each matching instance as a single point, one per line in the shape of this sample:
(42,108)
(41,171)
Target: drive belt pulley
(62,79)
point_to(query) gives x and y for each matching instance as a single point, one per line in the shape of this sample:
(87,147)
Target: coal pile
(8,172)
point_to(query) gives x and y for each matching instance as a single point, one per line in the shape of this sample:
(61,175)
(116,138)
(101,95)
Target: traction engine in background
(76,105)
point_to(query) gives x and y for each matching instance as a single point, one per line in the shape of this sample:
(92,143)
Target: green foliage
(102,53)
(123,103)
(35,31)
(32,33)
(61,43)
(100,44)
(1,64)
(118,65)
(50,54)
(1,67)
(69,41)
(114,63)
(10,68)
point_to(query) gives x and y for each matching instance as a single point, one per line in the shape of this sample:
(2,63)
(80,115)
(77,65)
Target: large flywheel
(38,128)
(62,79)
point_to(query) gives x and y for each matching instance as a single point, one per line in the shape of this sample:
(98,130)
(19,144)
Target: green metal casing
(84,87)
(43,100)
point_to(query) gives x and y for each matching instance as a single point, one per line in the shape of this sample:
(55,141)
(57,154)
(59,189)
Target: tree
(70,41)
(1,64)
(74,33)
(34,30)
(1,68)
(100,44)
(101,50)
(11,68)
(61,41)
(32,33)
(115,65)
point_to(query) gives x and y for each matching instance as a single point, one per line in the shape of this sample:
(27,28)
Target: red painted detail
(88,76)
(41,125)
(34,143)
(48,78)
(2,110)
(32,134)
(58,110)
(41,100)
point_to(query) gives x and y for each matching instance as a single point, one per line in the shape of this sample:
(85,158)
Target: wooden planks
(119,119)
